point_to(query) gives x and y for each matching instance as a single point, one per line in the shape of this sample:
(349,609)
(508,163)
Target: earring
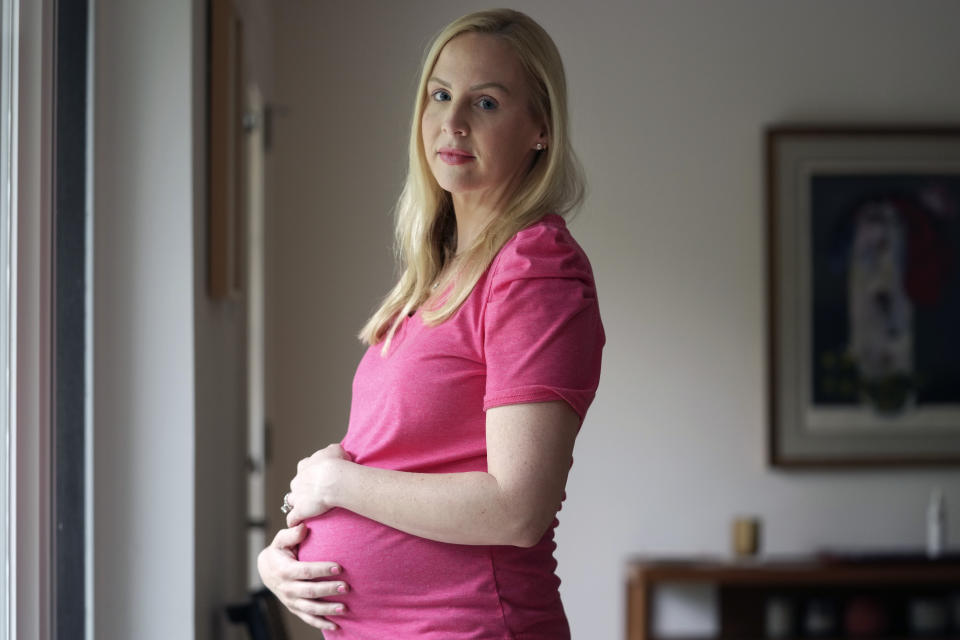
(540,147)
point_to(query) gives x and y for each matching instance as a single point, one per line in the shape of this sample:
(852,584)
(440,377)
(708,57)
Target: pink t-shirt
(530,331)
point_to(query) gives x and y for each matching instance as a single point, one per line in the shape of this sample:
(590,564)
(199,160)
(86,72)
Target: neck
(473,211)
(470,222)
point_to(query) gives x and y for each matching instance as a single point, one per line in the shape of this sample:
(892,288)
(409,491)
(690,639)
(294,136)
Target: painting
(863,239)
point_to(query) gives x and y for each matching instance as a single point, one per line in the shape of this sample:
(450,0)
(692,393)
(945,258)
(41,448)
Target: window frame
(7,381)
(71,301)
(30,196)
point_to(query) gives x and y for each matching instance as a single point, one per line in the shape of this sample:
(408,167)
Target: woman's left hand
(311,490)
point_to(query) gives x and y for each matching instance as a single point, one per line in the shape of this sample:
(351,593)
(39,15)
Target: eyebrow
(476,87)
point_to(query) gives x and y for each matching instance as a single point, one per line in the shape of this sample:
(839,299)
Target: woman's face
(479,132)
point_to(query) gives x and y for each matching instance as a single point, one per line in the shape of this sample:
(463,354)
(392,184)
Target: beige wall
(669,99)
(221,371)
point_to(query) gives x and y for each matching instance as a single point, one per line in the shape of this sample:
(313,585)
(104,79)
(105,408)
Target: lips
(453,156)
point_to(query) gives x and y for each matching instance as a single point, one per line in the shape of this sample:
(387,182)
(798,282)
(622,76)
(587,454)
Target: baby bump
(394,577)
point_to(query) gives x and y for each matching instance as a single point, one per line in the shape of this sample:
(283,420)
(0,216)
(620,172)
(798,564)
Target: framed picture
(863,235)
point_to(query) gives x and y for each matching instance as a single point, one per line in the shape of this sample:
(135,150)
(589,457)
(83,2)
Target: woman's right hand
(293,582)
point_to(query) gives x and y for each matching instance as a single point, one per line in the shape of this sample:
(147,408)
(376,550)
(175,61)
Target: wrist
(338,472)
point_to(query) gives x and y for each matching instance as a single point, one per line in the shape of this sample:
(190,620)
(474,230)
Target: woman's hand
(293,583)
(312,489)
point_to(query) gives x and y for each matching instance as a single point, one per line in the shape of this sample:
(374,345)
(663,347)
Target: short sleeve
(543,336)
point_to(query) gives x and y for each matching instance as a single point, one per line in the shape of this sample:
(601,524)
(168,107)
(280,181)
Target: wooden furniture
(898,586)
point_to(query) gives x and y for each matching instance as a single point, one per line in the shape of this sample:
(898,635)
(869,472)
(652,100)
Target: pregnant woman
(434,517)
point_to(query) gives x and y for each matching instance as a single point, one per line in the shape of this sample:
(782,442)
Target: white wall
(28,483)
(669,100)
(143,315)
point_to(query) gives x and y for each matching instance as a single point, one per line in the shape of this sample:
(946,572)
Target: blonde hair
(425,222)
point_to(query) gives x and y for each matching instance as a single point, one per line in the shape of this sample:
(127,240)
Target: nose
(455,121)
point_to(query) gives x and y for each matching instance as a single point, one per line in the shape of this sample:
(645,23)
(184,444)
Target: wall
(669,100)
(27,485)
(221,368)
(143,320)
(168,362)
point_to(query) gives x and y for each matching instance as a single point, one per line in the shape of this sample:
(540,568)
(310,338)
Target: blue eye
(487,104)
(440,95)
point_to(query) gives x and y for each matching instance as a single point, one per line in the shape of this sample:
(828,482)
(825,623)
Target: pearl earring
(540,147)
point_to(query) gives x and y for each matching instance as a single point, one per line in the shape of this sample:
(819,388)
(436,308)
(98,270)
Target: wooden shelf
(795,571)
(745,586)
(899,637)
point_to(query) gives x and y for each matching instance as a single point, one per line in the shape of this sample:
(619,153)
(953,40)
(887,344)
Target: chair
(262,616)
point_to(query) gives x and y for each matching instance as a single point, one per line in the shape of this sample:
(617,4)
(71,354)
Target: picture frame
(863,266)
(225,153)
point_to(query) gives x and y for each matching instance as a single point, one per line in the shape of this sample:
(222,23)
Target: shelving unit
(744,589)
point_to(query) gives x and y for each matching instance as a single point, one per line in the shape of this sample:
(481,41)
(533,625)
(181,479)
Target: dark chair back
(262,615)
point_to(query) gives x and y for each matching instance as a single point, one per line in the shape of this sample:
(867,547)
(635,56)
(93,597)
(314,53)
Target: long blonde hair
(425,222)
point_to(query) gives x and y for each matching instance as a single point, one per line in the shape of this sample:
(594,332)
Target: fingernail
(341,589)
(339,609)
(335,570)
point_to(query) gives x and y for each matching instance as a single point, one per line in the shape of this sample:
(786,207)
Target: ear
(543,139)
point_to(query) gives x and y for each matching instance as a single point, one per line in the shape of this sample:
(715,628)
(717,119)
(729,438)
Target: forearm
(529,449)
(459,508)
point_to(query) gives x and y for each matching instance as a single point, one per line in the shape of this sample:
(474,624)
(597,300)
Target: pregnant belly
(402,586)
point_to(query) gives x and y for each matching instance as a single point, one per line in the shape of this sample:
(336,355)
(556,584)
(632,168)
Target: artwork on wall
(863,235)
